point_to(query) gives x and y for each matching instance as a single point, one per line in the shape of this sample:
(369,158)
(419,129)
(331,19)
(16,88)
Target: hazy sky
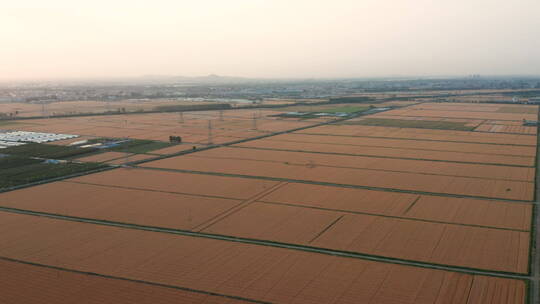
(268,38)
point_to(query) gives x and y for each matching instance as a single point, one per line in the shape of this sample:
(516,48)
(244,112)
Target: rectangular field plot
(389,152)
(175,182)
(477,187)
(477,212)
(496,128)
(455,245)
(388,115)
(422,134)
(147,208)
(473,212)
(342,199)
(23,283)
(427,145)
(415,123)
(464,112)
(276,223)
(374,163)
(256,272)
(476,107)
(483,248)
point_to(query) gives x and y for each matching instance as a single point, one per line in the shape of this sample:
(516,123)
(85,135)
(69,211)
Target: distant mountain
(212,78)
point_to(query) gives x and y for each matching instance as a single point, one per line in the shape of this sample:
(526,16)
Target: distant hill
(212,78)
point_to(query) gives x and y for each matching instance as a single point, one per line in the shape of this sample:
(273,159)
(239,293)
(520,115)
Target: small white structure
(6,144)
(34,137)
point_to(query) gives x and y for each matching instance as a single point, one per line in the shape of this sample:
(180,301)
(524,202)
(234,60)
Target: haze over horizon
(268,39)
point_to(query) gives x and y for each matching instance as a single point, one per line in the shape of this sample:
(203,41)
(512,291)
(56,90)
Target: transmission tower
(209,132)
(254,127)
(126,144)
(44,109)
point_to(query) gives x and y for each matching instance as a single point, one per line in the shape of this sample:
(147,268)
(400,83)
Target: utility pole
(44,110)
(181,114)
(254,127)
(126,144)
(209,132)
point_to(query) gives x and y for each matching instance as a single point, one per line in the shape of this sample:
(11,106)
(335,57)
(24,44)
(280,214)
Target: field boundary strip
(534,254)
(149,190)
(508,133)
(449,110)
(435,140)
(456,117)
(338,185)
(396,148)
(360,168)
(332,252)
(395,157)
(133,280)
(391,216)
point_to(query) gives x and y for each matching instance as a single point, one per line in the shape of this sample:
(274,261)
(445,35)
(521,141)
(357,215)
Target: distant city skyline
(62,39)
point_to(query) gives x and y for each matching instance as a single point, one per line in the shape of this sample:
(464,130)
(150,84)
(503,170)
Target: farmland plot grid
(497,222)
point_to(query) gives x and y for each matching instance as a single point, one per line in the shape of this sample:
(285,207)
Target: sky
(268,38)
